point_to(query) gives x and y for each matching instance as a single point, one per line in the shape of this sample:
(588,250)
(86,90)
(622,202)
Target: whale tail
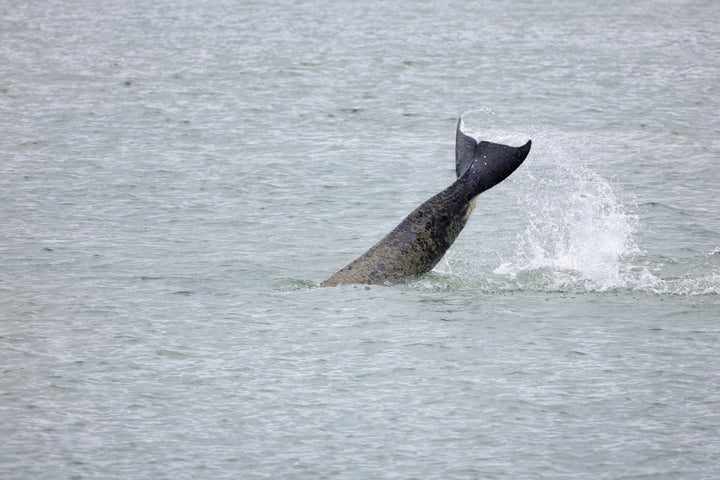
(490,162)
(418,243)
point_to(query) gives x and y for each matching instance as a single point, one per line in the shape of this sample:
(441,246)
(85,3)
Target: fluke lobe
(418,243)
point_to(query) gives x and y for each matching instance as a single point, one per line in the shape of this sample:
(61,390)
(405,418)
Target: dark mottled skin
(418,243)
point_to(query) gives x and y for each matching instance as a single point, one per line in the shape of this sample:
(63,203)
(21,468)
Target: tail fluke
(491,163)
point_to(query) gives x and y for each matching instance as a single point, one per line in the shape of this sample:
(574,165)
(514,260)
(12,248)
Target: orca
(418,243)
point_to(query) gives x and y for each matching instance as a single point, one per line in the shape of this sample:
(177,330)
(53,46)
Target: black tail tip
(525,149)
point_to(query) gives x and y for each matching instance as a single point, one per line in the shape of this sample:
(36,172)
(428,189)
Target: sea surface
(176,177)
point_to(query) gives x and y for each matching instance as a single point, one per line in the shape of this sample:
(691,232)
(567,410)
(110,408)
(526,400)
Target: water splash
(578,232)
(579,236)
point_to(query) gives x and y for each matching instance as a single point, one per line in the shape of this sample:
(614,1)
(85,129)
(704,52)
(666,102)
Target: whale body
(418,243)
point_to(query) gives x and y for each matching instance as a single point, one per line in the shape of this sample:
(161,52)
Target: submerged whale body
(418,243)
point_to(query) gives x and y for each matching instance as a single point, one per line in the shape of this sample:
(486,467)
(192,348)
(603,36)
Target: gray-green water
(175,177)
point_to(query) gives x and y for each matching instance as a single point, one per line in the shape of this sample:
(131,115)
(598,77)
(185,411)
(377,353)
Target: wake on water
(580,237)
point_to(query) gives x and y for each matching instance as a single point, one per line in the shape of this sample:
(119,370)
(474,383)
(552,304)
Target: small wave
(293,284)
(555,280)
(699,281)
